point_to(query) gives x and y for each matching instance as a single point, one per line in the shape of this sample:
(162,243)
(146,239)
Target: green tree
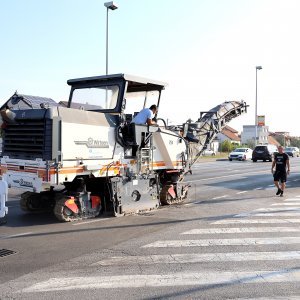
(295,142)
(250,144)
(226,146)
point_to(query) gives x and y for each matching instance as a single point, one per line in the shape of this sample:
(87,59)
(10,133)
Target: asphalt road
(233,239)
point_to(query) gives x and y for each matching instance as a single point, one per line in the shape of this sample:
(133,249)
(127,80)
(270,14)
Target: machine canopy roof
(135,84)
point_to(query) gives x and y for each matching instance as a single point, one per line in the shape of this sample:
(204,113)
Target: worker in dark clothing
(282,169)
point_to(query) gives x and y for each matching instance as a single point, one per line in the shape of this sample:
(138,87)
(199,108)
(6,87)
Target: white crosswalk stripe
(293,213)
(159,280)
(274,209)
(257,221)
(279,214)
(242,230)
(278,235)
(278,211)
(271,298)
(292,200)
(224,242)
(286,204)
(197,258)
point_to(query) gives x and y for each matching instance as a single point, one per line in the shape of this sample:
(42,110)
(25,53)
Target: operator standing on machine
(145,116)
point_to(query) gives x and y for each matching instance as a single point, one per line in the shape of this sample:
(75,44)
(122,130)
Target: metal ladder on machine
(145,158)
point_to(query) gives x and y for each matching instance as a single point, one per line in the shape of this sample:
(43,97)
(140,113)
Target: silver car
(292,151)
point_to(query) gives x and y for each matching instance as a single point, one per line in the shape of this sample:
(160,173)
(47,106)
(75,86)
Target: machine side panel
(87,135)
(169,150)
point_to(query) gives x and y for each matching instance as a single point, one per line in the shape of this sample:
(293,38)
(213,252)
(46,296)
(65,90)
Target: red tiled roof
(230,129)
(231,133)
(273,141)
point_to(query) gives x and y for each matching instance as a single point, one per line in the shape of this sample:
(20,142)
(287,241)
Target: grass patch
(219,155)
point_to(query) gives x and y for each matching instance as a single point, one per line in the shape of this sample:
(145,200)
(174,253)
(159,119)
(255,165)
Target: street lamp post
(112,6)
(257,68)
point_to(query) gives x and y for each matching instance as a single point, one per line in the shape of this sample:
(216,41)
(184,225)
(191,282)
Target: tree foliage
(250,144)
(226,146)
(295,142)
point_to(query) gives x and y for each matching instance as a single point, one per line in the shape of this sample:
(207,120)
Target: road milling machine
(85,157)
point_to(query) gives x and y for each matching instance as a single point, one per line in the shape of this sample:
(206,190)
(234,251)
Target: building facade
(248,134)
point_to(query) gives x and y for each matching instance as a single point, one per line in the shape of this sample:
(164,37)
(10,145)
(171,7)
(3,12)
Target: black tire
(167,200)
(230,159)
(254,160)
(61,212)
(31,202)
(23,204)
(3,220)
(165,197)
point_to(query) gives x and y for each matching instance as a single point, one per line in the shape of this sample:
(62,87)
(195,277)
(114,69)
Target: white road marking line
(159,280)
(242,215)
(269,188)
(270,209)
(224,242)
(295,214)
(198,257)
(241,230)
(259,188)
(292,200)
(271,212)
(88,222)
(220,177)
(219,197)
(15,235)
(271,298)
(272,185)
(230,175)
(295,180)
(242,192)
(285,204)
(258,221)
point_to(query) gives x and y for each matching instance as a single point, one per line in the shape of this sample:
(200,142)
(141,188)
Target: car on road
(208,152)
(292,151)
(264,152)
(240,154)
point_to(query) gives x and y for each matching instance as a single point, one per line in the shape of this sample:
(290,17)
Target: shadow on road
(19,218)
(103,228)
(267,275)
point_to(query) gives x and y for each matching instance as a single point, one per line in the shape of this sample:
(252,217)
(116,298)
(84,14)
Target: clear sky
(207,51)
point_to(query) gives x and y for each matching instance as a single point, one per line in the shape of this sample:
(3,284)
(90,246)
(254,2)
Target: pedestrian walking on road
(281,163)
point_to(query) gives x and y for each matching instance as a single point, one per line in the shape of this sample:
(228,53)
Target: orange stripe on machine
(41,171)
